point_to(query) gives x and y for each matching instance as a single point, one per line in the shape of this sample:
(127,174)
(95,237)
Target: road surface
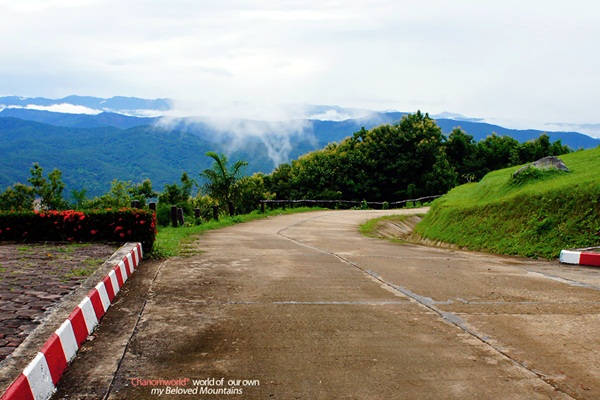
(304,307)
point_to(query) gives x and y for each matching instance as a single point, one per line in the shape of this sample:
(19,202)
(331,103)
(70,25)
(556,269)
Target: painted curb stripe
(123,271)
(19,390)
(114,282)
(569,257)
(101,288)
(89,315)
(38,380)
(78,324)
(591,259)
(127,261)
(119,275)
(68,340)
(55,357)
(108,286)
(580,258)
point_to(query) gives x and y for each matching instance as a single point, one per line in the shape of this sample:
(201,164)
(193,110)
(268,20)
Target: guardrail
(334,203)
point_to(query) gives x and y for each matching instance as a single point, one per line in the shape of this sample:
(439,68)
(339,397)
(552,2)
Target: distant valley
(116,139)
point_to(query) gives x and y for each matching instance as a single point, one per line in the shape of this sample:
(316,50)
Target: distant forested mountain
(93,150)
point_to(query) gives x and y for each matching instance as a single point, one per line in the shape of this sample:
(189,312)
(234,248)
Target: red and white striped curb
(38,380)
(580,257)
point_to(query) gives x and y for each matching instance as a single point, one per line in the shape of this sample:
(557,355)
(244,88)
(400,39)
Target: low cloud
(238,123)
(61,108)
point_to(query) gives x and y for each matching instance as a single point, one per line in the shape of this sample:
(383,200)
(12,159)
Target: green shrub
(532,173)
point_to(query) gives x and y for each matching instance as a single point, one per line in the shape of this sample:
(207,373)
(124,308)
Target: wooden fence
(342,203)
(177,217)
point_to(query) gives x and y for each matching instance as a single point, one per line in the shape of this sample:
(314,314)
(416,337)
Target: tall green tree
(18,197)
(143,191)
(118,196)
(387,163)
(461,150)
(49,189)
(407,157)
(177,195)
(252,191)
(222,181)
(280,181)
(497,152)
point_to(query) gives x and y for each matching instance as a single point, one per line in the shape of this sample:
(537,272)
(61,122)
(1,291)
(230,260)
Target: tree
(48,189)
(222,182)
(143,191)
(280,181)
(406,156)
(19,197)
(177,195)
(387,163)
(497,152)
(461,150)
(80,198)
(117,197)
(541,147)
(252,191)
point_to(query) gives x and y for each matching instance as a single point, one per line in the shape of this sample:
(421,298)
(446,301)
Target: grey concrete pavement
(302,306)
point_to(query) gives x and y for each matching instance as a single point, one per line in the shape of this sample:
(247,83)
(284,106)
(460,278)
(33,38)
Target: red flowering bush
(124,225)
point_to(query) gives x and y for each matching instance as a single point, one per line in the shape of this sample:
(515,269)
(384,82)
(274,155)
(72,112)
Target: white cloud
(65,108)
(532,60)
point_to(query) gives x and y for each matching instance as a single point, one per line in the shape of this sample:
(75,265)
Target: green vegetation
(407,160)
(86,271)
(536,215)
(89,267)
(222,181)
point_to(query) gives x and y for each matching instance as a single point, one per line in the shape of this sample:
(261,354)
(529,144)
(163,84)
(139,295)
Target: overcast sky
(527,60)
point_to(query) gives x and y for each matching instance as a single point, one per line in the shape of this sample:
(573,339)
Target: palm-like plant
(222,182)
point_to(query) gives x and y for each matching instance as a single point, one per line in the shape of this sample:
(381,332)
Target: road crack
(428,303)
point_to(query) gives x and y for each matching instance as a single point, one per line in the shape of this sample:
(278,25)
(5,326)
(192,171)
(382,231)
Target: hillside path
(304,307)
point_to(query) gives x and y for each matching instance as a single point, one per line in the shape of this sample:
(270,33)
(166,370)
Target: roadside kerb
(589,257)
(39,378)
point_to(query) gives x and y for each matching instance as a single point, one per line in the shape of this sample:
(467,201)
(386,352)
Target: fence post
(262,207)
(215,212)
(231,210)
(196,213)
(180,217)
(174,216)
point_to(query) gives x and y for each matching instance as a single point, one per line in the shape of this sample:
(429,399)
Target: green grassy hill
(537,217)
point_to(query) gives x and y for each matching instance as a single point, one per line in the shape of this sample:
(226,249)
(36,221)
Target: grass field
(535,217)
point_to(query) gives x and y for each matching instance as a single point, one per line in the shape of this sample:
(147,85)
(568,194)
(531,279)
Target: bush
(124,225)
(532,173)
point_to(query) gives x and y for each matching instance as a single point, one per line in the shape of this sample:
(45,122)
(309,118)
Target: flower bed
(124,225)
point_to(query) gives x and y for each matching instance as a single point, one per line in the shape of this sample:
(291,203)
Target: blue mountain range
(112,141)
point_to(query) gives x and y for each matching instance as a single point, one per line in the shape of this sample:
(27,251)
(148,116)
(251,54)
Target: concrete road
(304,307)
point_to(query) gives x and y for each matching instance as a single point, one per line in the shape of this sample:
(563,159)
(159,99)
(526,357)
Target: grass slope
(536,218)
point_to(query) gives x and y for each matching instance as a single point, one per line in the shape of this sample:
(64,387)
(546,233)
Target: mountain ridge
(93,149)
